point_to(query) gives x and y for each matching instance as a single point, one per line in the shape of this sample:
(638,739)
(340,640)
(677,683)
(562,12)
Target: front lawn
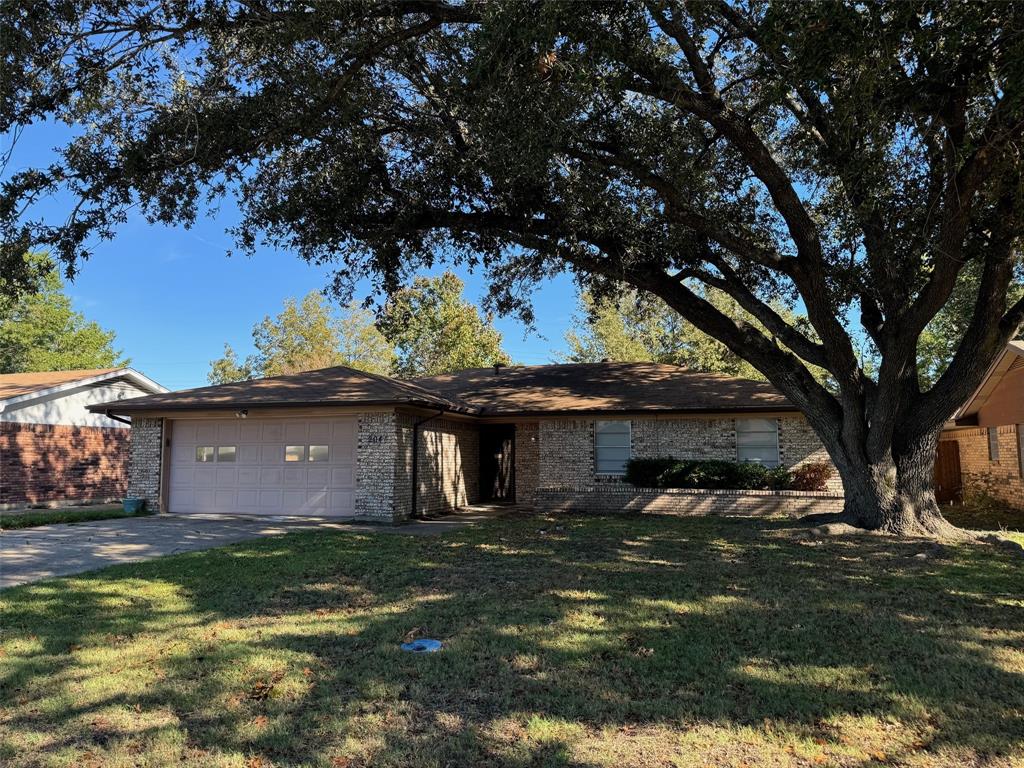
(577,641)
(33,518)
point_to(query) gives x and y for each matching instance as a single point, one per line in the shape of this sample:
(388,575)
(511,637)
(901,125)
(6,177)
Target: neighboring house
(341,442)
(53,450)
(988,432)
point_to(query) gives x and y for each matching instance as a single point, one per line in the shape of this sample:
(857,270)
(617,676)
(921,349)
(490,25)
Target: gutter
(111,415)
(415,459)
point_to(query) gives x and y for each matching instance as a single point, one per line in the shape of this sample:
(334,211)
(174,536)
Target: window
(611,447)
(993,444)
(318,453)
(294,452)
(757,440)
(204,453)
(225,453)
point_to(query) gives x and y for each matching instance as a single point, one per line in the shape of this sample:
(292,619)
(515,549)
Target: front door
(947,471)
(497,462)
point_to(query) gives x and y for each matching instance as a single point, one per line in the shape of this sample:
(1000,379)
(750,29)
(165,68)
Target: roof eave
(120,373)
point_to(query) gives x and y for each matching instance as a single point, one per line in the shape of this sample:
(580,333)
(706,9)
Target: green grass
(577,641)
(982,513)
(10,521)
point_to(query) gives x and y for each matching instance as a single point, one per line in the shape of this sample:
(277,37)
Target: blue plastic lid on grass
(422,645)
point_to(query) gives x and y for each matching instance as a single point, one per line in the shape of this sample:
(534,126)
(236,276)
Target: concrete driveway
(31,554)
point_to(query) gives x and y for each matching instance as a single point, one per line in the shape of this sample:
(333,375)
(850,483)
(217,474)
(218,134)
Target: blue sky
(174,298)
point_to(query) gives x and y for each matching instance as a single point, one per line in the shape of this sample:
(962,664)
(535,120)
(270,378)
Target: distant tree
(630,327)
(307,335)
(41,331)
(435,330)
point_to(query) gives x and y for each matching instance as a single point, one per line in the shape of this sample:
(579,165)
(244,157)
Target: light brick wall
(147,439)
(603,499)
(448,471)
(566,452)
(567,445)
(378,448)
(527,461)
(999,479)
(55,464)
(684,438)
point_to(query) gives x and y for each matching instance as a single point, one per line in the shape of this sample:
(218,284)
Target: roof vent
(498,367)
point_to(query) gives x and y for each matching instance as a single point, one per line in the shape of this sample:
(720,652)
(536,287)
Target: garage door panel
(206,434)
(295,432)
(342,477)
(259,481)
(248,499)
(319,432)
(250,431)
(204,478)
(248,477)
(227,433)
(249,453)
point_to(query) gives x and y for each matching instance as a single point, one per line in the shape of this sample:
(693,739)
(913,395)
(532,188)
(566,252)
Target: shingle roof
(515,390)
(595,387)
(327,386)
(17,384)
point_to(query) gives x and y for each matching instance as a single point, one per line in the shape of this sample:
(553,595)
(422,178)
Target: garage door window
(294,452)
(225,453)
(204,453)
(318,452)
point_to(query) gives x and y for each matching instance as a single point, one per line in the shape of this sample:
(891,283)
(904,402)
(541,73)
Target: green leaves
(40,331)
(435,330)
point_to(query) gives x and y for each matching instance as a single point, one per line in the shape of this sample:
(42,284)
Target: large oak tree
(854,156)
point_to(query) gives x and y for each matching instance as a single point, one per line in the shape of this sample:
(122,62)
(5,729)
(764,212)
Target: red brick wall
(41,463)
(1000,479)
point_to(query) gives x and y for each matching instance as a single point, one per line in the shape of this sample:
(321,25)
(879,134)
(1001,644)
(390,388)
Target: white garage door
(263,466)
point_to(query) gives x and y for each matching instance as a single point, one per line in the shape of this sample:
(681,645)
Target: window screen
(757,440)
(993,444)
(611,447)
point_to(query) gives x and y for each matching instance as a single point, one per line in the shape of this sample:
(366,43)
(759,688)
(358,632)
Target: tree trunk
(896,493)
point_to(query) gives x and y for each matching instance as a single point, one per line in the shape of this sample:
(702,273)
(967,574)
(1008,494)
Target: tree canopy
(435,330)
(857,155)
(628,326)
(41,331)
(306,335)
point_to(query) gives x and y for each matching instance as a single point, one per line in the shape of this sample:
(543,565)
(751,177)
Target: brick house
(988,432)
(52,449)
(340,442)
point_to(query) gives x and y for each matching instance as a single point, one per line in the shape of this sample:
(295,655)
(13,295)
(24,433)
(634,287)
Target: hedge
(668,472)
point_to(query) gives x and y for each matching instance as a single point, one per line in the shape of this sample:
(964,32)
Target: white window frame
(758,444)
(618,446)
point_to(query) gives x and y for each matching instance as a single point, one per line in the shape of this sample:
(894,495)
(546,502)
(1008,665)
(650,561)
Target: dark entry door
(497,462)
(947,471)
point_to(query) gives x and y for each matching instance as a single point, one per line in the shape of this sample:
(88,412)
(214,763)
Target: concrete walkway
(30,554)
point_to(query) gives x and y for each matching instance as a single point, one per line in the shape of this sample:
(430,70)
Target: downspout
(416,459)
(111,415)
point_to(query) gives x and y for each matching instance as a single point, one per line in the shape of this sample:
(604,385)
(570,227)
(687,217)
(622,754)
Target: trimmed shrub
(646,473)
(710,474)
(811,477)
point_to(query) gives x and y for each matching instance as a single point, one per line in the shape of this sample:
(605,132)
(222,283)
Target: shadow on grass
(564,640)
